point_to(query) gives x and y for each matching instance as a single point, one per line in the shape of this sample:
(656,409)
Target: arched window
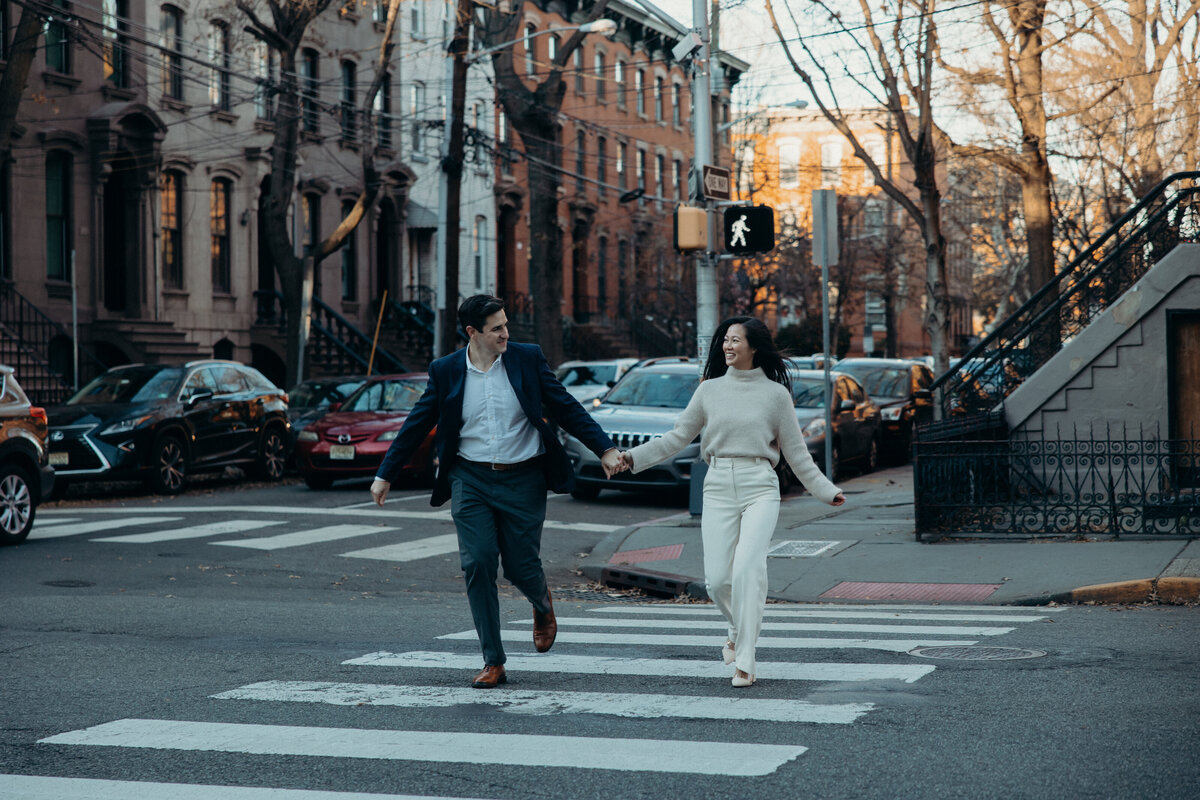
(172,45)
(59,174)
(220,199)
(171,210)
(552,45)
(530,50)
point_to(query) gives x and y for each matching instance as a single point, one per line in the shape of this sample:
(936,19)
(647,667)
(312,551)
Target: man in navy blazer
(497,456)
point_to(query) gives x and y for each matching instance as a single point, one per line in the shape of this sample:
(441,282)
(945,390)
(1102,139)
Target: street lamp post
(450,186)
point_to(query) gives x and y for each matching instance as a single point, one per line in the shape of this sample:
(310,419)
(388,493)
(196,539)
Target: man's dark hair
(476,309)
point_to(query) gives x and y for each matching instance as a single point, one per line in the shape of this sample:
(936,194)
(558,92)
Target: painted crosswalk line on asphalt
(764,643)
(93,526)
(919,613)
(193,531)
(329,533)
(509,749)
(812,627)
(40,787)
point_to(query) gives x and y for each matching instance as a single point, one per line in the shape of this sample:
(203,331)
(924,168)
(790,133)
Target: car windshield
(880,381)
(808,392)
(319,395)
(586,374)
(658,389)
(386,396)
(135,385)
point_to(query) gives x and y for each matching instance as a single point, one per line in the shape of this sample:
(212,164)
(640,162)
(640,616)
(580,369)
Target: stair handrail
(35,345)
(1106,262)
(383,358)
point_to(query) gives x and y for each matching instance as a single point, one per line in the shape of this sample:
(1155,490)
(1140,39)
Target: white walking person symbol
(740,229)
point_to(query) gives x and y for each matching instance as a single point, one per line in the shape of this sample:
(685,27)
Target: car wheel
(17,505)
(318,482)
(168,472)
(581,492)
(272,455)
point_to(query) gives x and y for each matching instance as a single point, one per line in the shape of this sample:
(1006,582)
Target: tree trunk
(16,75)
(546,247)
(452,165)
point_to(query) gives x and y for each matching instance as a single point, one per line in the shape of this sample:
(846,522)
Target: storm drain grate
(799,549)
(68,584)
(978,653)
(596,596)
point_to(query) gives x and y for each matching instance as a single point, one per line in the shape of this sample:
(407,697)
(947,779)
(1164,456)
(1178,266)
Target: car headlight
(125,425)
(386,436)
(892,413)
(308,436)
(814,428)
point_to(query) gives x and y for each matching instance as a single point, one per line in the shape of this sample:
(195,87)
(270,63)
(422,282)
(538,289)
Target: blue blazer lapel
(512,366)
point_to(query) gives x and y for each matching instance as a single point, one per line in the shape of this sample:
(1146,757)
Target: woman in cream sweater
(744,413)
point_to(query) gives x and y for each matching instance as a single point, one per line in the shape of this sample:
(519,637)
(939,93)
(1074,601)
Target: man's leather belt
(529,462)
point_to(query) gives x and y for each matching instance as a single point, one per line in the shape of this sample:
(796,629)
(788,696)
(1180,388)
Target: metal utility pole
(706,270)
(825,253)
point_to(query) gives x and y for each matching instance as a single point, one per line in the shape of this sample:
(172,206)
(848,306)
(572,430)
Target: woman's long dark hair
(758,336)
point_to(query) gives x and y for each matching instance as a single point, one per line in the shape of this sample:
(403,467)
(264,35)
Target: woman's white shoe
(742,679)
(727,652)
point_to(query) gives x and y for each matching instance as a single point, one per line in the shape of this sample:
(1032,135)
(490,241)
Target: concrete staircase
(148,340)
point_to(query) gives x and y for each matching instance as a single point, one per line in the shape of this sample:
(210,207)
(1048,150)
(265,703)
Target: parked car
(856,420)
(26,477)
(316,397)
(163,423)
(586,380)
(901,389)
(352,441)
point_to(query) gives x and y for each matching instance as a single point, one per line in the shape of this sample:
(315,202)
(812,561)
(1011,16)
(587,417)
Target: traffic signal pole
(706,269)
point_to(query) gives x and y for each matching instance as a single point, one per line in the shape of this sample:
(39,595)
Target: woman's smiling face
(738,353)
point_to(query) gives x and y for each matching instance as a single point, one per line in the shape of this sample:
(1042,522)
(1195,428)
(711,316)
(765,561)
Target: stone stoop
(152,341)
(598,341)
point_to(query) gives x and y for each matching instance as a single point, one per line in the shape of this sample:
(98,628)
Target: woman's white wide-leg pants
(741,507)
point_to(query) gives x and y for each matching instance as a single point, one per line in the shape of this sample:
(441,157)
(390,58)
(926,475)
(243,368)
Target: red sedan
(351,440)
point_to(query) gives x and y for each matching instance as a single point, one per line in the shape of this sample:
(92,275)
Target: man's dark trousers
(499,517)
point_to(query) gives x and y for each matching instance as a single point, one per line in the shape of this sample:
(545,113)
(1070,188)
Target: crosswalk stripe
(510,749)
(619,704)
(821,627)
(764,642)
(654,667)
(410,551)
(38,787)
(590,527)
(44,519)
(77,528)
(192,532)
(329,533)
(822,612)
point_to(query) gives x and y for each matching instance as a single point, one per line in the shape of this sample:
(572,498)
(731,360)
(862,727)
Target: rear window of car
(136,385)
(319,395)
(583,375)
(657,389)
(386,396)
(881,381)
(257,381)
(808,392)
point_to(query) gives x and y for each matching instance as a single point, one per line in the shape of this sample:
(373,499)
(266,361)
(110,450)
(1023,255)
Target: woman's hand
(839,500)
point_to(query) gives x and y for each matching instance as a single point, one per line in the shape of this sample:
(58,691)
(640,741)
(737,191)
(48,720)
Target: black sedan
(161,423)
(901,388)
(855,420)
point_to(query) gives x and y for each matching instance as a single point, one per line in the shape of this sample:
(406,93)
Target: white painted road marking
(37,787)
(329,533)
(510,749)
(764,642)
(820,627)
(872,611)
(193,532)
(410,551)
(657,667)
(44,518)
(542,703)
(77,528)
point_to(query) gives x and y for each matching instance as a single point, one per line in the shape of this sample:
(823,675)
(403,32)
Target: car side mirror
(846,405)
(197,397)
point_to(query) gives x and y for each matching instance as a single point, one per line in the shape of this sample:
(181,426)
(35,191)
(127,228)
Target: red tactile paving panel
(665,553)
(930,592)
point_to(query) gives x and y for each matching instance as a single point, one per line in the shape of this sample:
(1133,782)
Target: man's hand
(612,462)
(379,491)
(839,500)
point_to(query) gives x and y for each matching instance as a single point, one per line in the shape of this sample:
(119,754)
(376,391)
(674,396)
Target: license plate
(60,459)
(341,452)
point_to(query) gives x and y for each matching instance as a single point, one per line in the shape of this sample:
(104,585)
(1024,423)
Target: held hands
(379,491)
(614,461)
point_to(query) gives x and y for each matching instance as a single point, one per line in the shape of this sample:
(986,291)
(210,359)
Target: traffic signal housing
(691,228)
(749,230)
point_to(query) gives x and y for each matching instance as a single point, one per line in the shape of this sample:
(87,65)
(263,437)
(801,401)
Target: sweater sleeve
(794,449)
(687,426)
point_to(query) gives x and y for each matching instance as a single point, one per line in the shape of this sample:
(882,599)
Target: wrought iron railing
(40,350)
(412,322)
(1060,310)
(1107,485)
(335,344)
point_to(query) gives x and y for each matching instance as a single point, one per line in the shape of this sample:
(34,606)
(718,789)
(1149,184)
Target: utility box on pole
(691,228)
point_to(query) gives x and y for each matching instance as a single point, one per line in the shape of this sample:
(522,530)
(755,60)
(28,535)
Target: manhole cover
(966,653)
(799,549)
(68,584)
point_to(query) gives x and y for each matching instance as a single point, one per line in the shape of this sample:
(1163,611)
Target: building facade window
(530,50)
(622,277)
(310,64)
(478,130)
(619,81)
(878,154)
(115,42)
(622,165)
(58,37)
(640,175)
(220,197)
(577,60)
(660,171)
(602,274)
(171,205)
(416,108)
(349,98)
(601,78)
(379,11)
(552,44)
(172,45)
(59,174)
(417,19)
(265,73)
(219,72)
(676,104)
(639,91)
(789,165)
(383,113)
(831,163)
(602,162)
(677,178)
(349,258)
(580,158)
(479,250)
(659,94)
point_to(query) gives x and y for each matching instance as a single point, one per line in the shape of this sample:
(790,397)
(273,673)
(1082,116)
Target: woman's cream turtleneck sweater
(742,413)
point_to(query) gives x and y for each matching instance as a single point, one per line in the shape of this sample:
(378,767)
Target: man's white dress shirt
(495,430)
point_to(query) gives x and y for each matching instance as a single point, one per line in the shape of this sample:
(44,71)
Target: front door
(1184,397)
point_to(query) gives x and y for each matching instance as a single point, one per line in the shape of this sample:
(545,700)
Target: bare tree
(20,55)
(899,68)
(283,31)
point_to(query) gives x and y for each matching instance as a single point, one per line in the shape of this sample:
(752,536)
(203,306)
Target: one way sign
(716,182)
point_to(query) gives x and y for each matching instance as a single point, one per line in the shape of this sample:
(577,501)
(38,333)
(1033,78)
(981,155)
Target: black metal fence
(1024,486)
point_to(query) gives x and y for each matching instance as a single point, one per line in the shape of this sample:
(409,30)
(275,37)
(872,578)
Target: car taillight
(39,414)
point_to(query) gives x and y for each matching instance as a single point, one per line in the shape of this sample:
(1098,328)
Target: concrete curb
(1167,591)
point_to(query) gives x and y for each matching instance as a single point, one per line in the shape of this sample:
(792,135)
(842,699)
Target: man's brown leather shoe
(545,627)
(490,677)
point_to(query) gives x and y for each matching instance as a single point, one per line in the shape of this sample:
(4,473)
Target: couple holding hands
(497,457)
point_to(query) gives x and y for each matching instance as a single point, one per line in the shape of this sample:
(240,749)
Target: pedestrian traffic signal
(691,228)
(749,229)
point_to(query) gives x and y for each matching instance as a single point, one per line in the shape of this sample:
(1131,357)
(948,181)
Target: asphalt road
(318,649)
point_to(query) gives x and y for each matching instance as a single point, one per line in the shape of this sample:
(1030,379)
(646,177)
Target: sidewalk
(866,551)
